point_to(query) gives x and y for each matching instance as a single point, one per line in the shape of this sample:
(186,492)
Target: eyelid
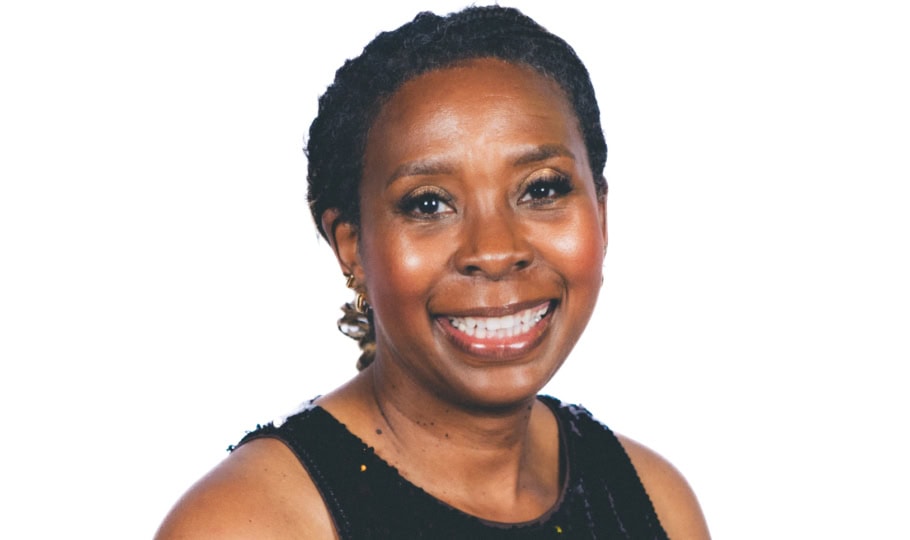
(546,174)
(426,190)
(561,182)
(423,191)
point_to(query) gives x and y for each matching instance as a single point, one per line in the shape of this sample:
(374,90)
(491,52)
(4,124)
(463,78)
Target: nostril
(493,246)
(495,269)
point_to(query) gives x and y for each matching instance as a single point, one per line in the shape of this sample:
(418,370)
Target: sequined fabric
(367,498)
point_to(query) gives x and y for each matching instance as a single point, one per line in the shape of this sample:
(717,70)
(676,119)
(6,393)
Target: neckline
(568,473)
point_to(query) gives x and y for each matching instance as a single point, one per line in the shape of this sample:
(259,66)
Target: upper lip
(496,311)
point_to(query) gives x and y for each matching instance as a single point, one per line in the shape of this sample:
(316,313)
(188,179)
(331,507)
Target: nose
(492,245)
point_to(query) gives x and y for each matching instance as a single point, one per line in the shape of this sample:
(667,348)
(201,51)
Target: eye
(546,189)
(426,203)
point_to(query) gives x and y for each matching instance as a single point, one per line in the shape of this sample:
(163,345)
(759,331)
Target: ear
(343,237)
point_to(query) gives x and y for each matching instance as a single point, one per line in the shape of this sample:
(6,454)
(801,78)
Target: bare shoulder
(259,491)
(674,501)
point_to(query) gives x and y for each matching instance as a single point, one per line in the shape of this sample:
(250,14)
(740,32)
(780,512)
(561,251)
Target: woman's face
(481,238)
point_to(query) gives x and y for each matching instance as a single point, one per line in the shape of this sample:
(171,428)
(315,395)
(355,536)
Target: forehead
(488,98)
(475,82)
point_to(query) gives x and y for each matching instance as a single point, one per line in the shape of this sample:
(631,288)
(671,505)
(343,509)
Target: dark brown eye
(425,204)
(547,188)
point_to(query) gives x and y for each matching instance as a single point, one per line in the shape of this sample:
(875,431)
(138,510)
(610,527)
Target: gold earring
(360,303)
(360,299)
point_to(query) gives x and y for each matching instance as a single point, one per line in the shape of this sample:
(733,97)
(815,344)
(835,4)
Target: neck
(413,417)
(507,454)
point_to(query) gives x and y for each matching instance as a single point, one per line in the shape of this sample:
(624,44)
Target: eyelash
(546,189)
(413,204)
(425,203)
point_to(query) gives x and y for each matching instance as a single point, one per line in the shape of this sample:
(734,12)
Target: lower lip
(506,348)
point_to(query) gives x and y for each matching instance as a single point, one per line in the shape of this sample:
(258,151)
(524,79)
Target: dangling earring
(360,299)
(360,303)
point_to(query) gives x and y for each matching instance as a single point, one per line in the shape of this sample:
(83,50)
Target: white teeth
(500,327)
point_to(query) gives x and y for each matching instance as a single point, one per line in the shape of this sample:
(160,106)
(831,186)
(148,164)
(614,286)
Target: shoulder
(259,491)
(673,499)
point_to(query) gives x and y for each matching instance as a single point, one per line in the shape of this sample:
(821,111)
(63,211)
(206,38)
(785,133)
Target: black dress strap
(609,477)
(313,434)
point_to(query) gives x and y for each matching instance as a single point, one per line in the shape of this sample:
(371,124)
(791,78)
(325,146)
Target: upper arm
(260,491)
(673,499)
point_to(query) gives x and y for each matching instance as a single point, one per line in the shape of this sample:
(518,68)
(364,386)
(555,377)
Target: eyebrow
(421,167)
(437,166)
(543,153)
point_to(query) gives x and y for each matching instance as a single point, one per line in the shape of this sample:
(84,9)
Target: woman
(456,169)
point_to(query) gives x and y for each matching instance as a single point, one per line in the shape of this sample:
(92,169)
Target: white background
(163,289)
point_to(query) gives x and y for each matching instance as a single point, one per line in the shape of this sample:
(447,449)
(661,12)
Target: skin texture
(476,200)
(490,246)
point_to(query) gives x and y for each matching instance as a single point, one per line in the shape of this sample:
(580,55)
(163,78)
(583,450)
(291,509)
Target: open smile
(501,337)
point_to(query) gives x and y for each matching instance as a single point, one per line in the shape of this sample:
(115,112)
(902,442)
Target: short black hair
(363,84)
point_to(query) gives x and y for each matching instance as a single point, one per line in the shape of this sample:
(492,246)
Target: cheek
(578,248)
(401,269)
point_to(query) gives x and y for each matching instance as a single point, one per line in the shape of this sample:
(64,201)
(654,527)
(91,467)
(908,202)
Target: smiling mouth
(501,327)
(501,337)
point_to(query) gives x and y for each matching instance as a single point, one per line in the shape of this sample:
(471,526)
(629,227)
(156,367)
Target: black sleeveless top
(367,498)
